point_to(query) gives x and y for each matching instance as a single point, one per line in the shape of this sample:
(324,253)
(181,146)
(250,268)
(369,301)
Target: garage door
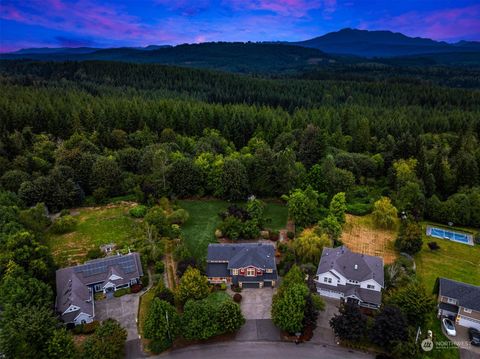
(330,293)
(250,285)
(469,323)
(267,284)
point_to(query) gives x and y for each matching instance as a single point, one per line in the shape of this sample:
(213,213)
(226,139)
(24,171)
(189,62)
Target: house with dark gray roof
(460,301)
(243,264)
(350,276)
(77,285)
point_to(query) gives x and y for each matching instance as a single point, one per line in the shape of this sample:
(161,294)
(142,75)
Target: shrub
(135,288)
(64,224)
(229,317)
(290,235)
(121,292)
(236,288)
(180,216)
(237,297)
(64,212)
(138,211)
(164,293)
(159,267)
(476,238)
(433,246)
(223,286)
(94,253)
(144,281)
(87,328)
(274,235)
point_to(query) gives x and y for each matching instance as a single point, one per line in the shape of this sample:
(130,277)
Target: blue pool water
(446,234)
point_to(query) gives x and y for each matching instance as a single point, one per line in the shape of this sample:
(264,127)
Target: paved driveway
(323,334)
(257,302)
(467,350)
(124,310)
(264,350)
(258,330)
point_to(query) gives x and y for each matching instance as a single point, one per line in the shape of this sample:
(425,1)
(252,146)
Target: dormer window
(269,270)
(370,286)
(327,280)
(234,271)
(451,301)
(250,272)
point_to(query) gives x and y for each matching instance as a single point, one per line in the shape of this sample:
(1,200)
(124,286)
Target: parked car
(474,336)
(449,327)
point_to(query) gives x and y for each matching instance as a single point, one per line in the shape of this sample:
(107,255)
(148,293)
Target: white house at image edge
(76,285)
(353,277)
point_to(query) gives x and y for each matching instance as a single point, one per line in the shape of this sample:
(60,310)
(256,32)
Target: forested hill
(229,136)
(227,56)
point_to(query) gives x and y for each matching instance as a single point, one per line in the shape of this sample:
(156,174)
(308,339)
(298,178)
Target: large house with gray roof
(244,264)
(77,285)
(460,301)
(350,276)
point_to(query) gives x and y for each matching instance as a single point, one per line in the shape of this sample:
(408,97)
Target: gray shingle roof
(353,266)
(241,255)
(217,270)
(72,282)
(468,295)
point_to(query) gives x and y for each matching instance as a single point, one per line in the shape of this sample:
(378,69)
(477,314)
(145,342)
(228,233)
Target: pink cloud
(293,8)
(86,18)
(447,24)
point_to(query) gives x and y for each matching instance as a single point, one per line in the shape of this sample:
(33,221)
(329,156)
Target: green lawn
(199,230)
(218,297)
(278,213)
(453,260)
(96,226)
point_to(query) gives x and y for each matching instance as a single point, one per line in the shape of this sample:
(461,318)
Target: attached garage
(250,284)
(468,322)
(330,293)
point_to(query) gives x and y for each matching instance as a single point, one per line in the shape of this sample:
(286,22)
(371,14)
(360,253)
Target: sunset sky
(74,23)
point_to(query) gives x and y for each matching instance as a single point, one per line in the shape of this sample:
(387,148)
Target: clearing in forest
(360,235)
(96,226)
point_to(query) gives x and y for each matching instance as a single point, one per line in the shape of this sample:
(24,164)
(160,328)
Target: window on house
(467,310)
(269,271)
(235,272)
(250,272)
(327,280)
(370,286)
(451,301)
(98,287)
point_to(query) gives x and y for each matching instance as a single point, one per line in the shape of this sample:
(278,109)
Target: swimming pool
(454,236)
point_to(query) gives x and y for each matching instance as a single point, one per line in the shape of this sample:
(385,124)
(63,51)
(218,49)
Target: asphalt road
(262,350)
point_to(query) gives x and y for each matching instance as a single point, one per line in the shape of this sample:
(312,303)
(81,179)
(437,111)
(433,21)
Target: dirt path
(170,273)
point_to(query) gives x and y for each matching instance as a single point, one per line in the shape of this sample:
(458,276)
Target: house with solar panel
(77,285)
(352,277)
(249,265)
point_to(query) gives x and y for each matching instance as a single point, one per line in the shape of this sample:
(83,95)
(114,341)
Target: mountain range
(366,43)
(344,46)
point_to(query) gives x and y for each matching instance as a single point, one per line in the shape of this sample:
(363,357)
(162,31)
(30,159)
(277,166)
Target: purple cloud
(444,24)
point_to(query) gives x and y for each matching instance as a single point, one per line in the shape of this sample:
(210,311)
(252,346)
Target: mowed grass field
(96,226)
(453,260)
(204,218)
